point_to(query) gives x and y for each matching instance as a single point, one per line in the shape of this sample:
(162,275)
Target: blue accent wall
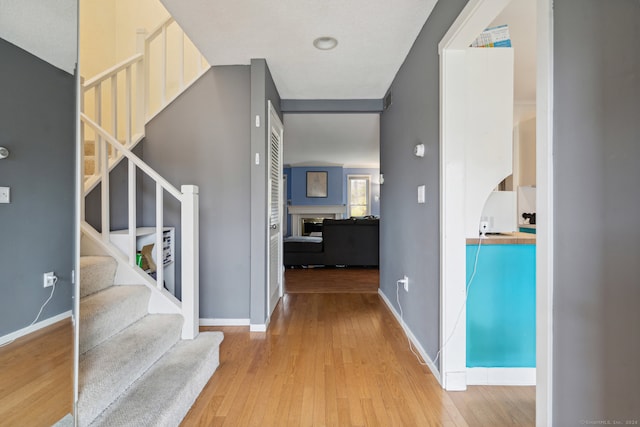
(287,172)
(501,306)
(298,184)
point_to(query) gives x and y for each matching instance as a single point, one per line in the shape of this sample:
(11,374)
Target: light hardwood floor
(36,384)
(332,280)
(332,359)
(328,359)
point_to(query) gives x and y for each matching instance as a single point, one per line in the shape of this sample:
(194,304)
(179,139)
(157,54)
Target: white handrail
(168,58)
(109,72)
(158,29)
(131,156)
(95,86)
(140,95)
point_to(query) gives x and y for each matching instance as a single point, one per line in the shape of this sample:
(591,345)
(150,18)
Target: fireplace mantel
(313,211)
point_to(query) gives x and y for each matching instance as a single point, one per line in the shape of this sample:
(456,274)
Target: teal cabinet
(501,306)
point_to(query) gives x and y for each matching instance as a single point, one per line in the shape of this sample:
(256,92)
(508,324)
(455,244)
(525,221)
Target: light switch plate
(421,194)
(5,195)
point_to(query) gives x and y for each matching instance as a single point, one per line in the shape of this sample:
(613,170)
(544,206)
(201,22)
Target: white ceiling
(351,140)
(374,38)
(42,28)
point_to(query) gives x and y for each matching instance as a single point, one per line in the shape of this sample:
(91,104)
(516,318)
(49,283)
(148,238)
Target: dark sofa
(349,242)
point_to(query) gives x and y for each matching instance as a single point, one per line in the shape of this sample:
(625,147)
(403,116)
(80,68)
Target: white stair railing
(108,81)
(179,64)
(115,106)
(129,94)
(188,198)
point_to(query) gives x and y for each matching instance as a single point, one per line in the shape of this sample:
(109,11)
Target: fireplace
(313,213)
(311,225)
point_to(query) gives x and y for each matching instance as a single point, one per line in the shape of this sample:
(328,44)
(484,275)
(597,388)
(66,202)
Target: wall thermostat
(419,150)
(4,153)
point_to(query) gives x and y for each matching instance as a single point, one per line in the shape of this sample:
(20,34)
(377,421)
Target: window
(358,195)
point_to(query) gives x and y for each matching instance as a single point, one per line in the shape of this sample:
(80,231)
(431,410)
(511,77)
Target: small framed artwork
(316,184)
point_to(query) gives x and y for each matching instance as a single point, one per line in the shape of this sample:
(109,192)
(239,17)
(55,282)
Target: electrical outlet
(405,283)
(49,279)
(484,226)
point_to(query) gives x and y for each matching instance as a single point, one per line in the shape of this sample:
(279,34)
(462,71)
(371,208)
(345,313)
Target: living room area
(331,202)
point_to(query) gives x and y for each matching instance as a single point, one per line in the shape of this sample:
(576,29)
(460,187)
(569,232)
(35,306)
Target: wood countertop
(516,238)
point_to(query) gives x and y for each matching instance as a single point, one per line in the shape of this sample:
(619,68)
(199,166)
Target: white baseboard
(224,322)
(501,376)
(412,337)
(258,328)
(33,328)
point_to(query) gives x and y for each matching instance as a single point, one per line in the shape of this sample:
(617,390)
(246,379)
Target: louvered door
(274,257)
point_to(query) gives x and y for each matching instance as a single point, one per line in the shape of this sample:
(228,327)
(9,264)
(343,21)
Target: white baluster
(104,185)
(141,85)
(114,110)
(159,235)
(132,213)
(163,68)
(97,98)
(147,80)
(127,106)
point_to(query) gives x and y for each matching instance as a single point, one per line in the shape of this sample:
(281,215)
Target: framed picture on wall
(316,184)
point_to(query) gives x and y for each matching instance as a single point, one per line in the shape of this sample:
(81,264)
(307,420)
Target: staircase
(134,369)
(115,106)
(142,359)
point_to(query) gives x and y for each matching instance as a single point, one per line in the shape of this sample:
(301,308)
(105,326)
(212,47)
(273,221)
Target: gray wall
(409,233)
(118,196)
(262,89)
(596,317)
(37,125)
(203,138)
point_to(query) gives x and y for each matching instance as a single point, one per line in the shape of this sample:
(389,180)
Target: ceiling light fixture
(325,43)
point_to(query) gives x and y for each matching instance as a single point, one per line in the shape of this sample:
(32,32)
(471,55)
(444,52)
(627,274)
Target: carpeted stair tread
(164,395)
(110,368)
(96,274)
(104,314)
(89,148)
(89,165)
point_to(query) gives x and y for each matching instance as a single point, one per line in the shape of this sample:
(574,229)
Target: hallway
(340,360)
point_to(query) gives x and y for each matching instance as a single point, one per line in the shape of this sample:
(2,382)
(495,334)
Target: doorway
(334,224)
(473,19)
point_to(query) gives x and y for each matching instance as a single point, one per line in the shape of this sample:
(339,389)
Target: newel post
(190,261)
